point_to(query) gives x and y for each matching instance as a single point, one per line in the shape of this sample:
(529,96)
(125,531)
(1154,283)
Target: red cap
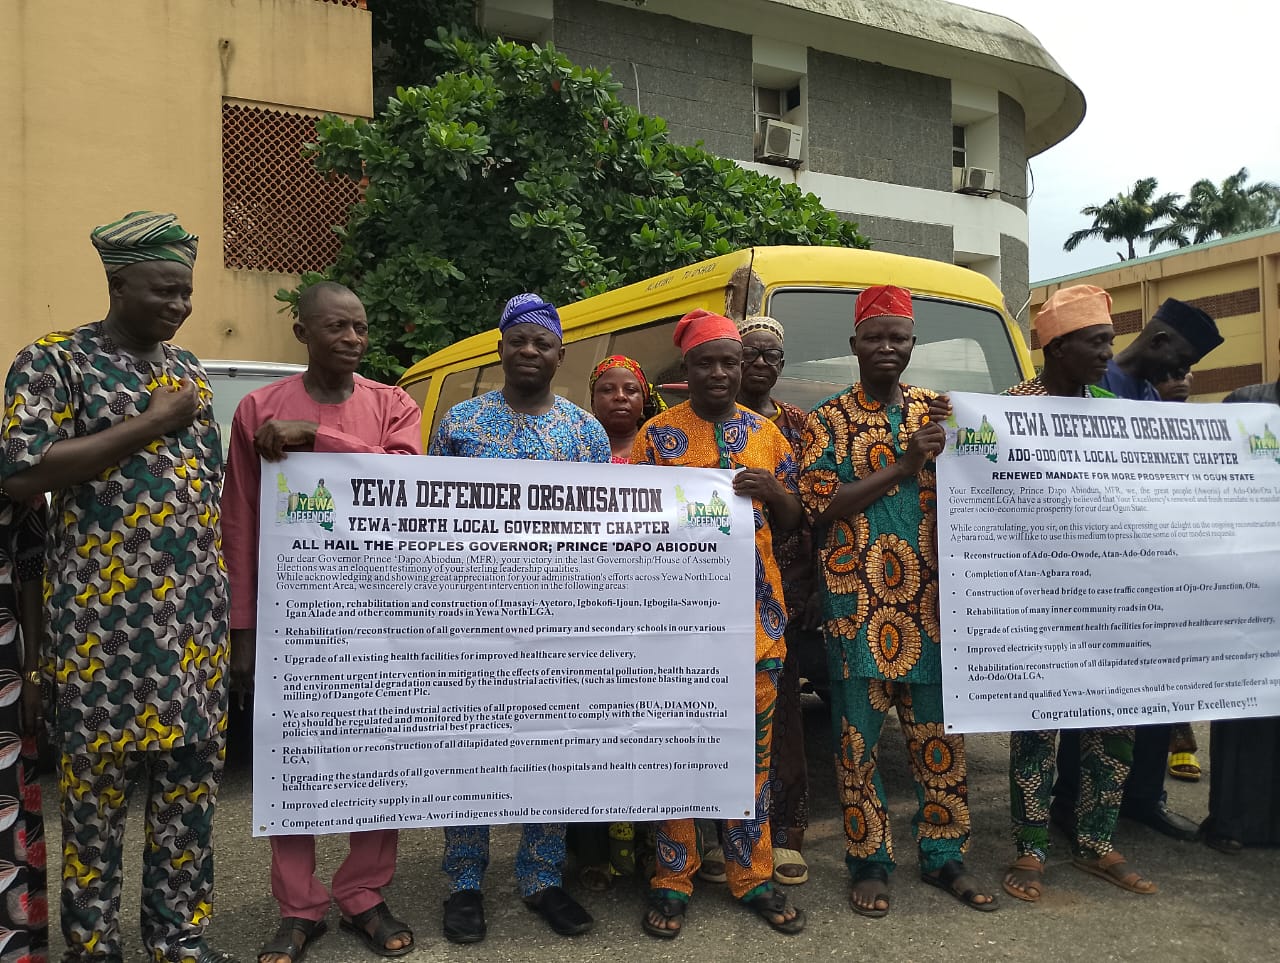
(882,300)
(698,327)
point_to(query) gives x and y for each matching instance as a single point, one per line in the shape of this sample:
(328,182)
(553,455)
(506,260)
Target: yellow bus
(966,339)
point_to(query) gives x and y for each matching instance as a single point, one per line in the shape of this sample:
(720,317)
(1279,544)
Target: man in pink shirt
(332,409)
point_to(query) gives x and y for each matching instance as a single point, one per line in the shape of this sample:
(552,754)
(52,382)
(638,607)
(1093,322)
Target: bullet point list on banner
(1142,585)
(435,662)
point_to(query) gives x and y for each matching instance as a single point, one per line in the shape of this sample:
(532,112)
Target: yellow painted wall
(1202,271)
(116,106)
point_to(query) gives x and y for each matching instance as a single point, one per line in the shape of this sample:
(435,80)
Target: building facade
(199,107)
(916,118)
(1235,279)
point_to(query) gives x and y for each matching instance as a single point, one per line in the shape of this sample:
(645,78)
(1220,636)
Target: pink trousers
(357,885)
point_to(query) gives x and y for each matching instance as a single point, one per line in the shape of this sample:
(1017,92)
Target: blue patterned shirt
(488,427)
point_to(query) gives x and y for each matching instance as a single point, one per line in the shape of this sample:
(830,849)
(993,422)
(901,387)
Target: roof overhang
(927,36)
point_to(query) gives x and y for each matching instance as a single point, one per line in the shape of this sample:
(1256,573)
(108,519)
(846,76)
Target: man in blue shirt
(1177,337)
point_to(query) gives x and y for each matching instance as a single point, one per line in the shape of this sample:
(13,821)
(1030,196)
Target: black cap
(1190,322)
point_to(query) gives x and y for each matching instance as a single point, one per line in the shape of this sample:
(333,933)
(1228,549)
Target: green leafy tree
(1129,217)
(401,28)
(1221,210)
(517,170)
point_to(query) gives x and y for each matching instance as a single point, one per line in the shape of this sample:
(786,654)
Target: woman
(24,911)
(622,400)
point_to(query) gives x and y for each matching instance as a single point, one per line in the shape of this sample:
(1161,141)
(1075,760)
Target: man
(763,358)
(327,408)
(867,480)
(1244,780)
(711,430)
(1178,336)
(1075,328)
(118,424)
(1183,763)
(522,419)
(1266,393)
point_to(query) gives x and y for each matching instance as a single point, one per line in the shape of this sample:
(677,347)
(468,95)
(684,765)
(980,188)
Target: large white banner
(448,641)
(1108,563)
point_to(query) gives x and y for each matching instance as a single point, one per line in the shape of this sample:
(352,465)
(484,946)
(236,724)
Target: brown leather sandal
(1029,886)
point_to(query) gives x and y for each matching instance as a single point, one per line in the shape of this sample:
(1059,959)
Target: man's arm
(776,489)
(240,495)
(441,441)
(852,498)
(30,535)
(642,452)
(597,442)
(72,461)
(401,432)
(398,432)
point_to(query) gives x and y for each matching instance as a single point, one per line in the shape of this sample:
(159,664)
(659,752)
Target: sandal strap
(866,871)
(773,900)
(285,942)
(388,926)
(950,871)
(782,856)
(1113,864)
(667,906)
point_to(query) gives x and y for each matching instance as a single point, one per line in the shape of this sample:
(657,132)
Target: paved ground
(1210,908)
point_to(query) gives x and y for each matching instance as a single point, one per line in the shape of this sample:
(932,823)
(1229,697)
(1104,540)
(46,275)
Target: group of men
(153,570)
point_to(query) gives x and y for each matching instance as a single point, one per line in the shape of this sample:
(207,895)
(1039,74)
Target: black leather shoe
(1163,820)
(464,917)
(561,911)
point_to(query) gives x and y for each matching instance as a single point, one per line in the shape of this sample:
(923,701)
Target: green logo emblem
(1264,445)
(294,508)
(977,441)
(713,513)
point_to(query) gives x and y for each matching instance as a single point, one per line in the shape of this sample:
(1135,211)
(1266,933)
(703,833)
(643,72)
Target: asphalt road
(1210,907)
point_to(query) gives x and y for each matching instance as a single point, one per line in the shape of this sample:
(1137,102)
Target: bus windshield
(959,346)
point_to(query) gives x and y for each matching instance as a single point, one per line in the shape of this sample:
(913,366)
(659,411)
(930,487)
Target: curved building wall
(879,117)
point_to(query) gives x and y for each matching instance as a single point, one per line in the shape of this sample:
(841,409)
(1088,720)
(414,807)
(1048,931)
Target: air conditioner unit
(973,180)
(779,142)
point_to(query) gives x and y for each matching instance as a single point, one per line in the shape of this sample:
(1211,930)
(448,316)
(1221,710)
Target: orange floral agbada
(680,437)
(880,567)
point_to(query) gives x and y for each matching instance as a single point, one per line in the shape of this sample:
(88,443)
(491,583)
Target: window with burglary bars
(278,211)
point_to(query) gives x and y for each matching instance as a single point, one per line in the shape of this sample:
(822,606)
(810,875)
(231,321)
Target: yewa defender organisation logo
(1264,445)
(293,508)
(977,441)
(713,513)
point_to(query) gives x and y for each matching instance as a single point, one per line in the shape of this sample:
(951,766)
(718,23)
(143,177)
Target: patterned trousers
(748,851)
(941,823)
(1105,758)
(539,858)
(179,786)
(788,770)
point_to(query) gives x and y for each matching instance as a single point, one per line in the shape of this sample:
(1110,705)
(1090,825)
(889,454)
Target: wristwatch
(33,676)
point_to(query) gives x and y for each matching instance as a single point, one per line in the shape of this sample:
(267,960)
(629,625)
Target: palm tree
(1128,217)
(1233,207)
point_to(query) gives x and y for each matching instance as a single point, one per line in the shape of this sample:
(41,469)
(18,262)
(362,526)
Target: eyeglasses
(772,356)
